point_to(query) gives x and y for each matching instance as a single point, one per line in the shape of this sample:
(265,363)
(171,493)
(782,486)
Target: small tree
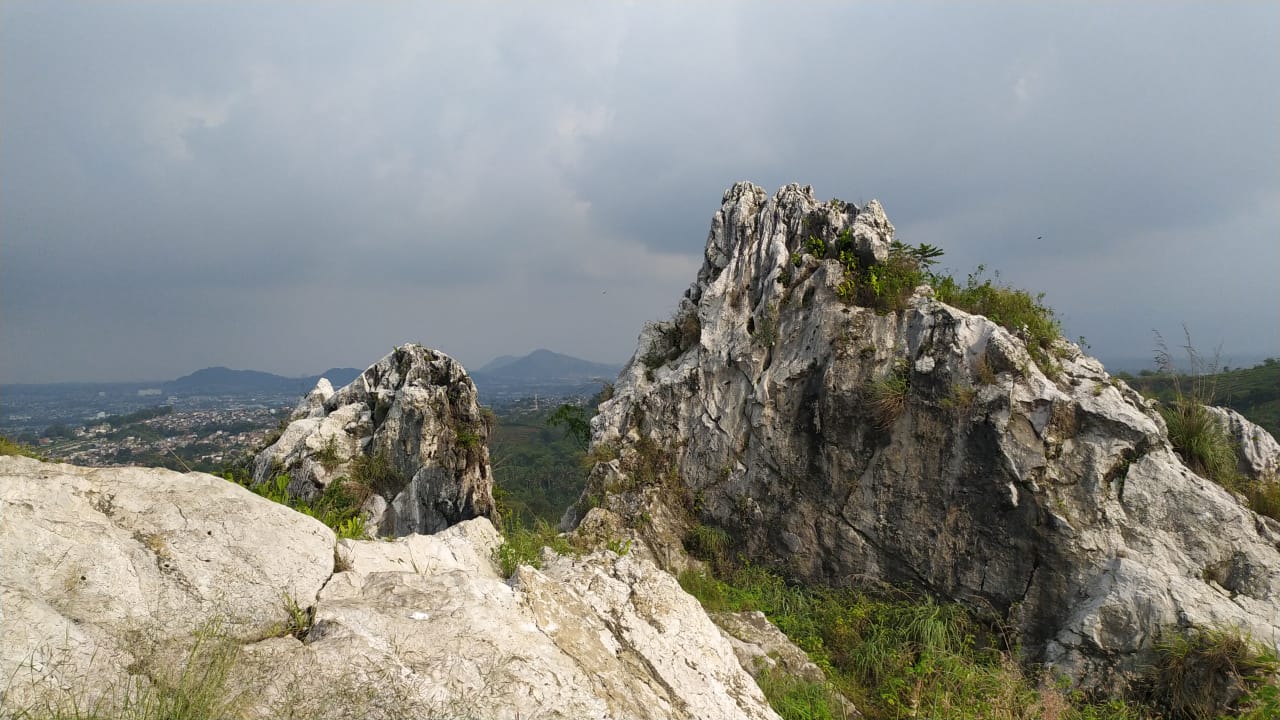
(575,422)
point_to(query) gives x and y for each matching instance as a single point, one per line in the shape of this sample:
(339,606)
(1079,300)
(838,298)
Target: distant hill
(541,372)
(499,362)
(225,381)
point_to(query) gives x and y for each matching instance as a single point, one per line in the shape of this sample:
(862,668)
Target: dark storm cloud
(293,187)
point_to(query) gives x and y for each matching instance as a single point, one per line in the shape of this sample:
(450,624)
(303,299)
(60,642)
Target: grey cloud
(263,185)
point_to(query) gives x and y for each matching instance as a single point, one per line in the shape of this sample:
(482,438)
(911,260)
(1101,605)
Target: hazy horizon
(278,187)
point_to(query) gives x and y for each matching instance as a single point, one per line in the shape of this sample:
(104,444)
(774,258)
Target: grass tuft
(1199,673)
(893,657)
(887,396)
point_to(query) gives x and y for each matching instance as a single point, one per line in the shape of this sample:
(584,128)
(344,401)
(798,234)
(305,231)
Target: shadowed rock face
(1051,501)
(412,422)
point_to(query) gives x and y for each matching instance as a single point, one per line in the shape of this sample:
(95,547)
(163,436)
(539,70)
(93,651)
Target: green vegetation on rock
(337,506)
(1253,392)
(887,286)
(898,656)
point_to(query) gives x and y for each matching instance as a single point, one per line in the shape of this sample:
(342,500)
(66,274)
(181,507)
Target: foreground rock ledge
(107,572)
(1052,502)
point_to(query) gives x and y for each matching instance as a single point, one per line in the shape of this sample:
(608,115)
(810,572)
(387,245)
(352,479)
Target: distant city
(211,420)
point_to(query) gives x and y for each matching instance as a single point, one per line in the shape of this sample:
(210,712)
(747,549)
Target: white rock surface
(416,409)
(96,563)
(1053,502)
(106,573)
(1258,453)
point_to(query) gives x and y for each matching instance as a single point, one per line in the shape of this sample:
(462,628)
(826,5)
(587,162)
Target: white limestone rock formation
(108,575)
(1257,453)
(97,564)
(1050,501)
(413,422)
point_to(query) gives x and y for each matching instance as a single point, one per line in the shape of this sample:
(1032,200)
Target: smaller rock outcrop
(1257,452)
(409,430)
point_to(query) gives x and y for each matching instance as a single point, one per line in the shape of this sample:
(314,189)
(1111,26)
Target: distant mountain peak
(542,372)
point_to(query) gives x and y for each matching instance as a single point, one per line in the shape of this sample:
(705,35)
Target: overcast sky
(291,186)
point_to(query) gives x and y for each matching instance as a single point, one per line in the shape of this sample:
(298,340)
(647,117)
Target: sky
(294,186)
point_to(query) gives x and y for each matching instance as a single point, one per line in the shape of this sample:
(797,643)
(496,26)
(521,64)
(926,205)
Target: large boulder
(439,633)
(120,585)
(409,429)
(925,446)
(103,568)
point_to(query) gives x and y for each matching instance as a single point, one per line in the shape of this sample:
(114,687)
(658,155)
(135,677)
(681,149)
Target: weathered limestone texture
(108,576)
(1051,500)
(412,418)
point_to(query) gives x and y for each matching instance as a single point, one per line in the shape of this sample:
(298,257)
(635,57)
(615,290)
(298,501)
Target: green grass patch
(9,447)
(1201,440)
(196,688)
(1253,392)
(887,396)
(1017,311)
(522,545)
(1200,673)
(892,657)
(798,699)
(888,286)
(337,506)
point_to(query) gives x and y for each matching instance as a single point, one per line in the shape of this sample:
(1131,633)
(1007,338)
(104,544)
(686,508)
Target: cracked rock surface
(99,566)
(1047,498)
(105,573)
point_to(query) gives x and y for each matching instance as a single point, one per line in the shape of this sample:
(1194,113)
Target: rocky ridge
(414,417)
(118,580)
(1048,498)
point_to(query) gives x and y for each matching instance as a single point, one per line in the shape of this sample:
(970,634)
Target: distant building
(149,392)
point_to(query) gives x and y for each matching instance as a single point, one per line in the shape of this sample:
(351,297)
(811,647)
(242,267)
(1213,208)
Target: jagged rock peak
(922,445)
(409,427)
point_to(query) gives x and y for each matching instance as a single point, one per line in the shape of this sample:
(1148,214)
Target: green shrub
(1018,311)
(328,455)
(1200,673)
(887,396)
(338,505)
(1198,436)
(377,473)
(1196,433)
(706,542)
(522,545)
(766,330)
(467,438)
(894,657)
(1263,496)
